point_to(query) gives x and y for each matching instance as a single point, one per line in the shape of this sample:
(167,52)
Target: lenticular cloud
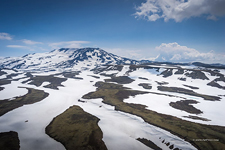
(180,9)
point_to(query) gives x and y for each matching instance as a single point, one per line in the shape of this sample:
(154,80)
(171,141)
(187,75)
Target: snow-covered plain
(212,110)
(12,90)
(120,130)
(39,115)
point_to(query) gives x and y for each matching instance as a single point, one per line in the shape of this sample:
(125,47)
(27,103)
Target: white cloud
(176,53)
(16,46)
(153,17)
(5,36)
(20,46)
(180,9)
(68,44)
(29,42)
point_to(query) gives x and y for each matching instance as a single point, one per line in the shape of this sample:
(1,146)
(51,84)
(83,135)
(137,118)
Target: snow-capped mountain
(65,59)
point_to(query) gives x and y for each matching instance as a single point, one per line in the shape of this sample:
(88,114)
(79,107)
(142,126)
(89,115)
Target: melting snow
(12,90)
(120,130)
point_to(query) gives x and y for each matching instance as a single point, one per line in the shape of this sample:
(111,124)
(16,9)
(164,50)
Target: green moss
(182,79)
(197,74)
(120,80)
(188,92)
(149,143)
(179,71)
(70,74)
(184,129)
(142,78)
(97,70)
(76,129)
(215,84)
(2,72)
(161,83)
(12,75)
(4,81)
(184,105)
(197,118)
(9,141)
(192,87)
(145,85)
(1,88)
(54,81)
(31,97)
(167,73)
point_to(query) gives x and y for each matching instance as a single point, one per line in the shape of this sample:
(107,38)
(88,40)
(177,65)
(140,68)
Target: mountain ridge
(80,59)
(65,58)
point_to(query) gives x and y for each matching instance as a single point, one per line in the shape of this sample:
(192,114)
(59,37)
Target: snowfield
(12,90)
(212,110)
(120,130)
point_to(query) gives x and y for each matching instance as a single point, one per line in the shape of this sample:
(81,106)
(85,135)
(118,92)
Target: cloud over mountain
(180,9)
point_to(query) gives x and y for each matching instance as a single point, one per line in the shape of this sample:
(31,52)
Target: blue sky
(173,30)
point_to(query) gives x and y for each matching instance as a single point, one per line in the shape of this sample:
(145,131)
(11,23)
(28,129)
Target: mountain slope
(65,59)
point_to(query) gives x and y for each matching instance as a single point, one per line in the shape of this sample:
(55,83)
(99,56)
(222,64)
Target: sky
(160,30)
